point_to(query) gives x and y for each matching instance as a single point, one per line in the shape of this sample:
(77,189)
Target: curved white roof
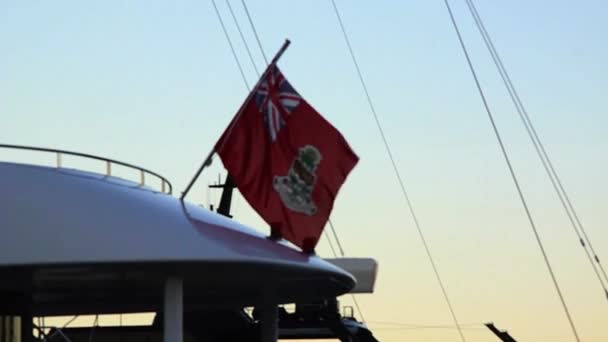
(66,231)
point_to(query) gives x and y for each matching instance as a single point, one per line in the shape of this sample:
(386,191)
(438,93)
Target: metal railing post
(166,186)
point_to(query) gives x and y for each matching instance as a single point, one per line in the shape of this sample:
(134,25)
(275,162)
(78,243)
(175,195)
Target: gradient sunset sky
(153,83)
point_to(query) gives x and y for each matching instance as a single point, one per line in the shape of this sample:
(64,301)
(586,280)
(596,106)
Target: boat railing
(165,185)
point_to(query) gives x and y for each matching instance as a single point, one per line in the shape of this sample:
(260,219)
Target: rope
(95,325)
(511,170)
(540,150)
(236,58)
(397,173)
(69,322)
(379,325)
(238,27)
(427,328)
(358,308)
(342,255)
(414,325)
(333,230)
(331,245)
(255,32)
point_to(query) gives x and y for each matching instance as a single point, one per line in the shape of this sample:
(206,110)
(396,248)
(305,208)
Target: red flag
(286,159)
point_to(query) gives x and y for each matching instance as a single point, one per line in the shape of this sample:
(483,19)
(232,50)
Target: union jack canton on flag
(275,98)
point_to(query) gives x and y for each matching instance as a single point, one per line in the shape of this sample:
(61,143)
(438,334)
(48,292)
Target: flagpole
(207,160)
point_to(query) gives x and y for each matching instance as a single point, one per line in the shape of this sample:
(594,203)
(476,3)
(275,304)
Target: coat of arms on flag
(296,188)
(286,159)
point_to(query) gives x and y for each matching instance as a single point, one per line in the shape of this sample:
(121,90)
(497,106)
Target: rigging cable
(353,297)
(255,32)
(95,325)
(358,308)
(342,254)
(331,245)
(236,58)
(380,325)
(333,230)
(511,170)
(415,325)
(428,328)
(238,27)
(65,325)
(540,149)
(398,174)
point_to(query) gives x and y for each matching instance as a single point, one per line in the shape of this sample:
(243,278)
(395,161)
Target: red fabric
(266,170)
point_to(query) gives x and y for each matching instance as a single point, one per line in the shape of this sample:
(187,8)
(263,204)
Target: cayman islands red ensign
(286,159)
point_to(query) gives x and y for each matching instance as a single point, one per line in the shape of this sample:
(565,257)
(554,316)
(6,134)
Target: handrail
(108,161)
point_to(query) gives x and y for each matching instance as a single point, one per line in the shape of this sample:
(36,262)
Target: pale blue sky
(154,83)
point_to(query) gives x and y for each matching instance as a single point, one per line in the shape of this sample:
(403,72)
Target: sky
(154,83)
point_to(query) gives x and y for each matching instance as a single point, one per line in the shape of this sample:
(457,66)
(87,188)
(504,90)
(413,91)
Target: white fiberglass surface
(52,216)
